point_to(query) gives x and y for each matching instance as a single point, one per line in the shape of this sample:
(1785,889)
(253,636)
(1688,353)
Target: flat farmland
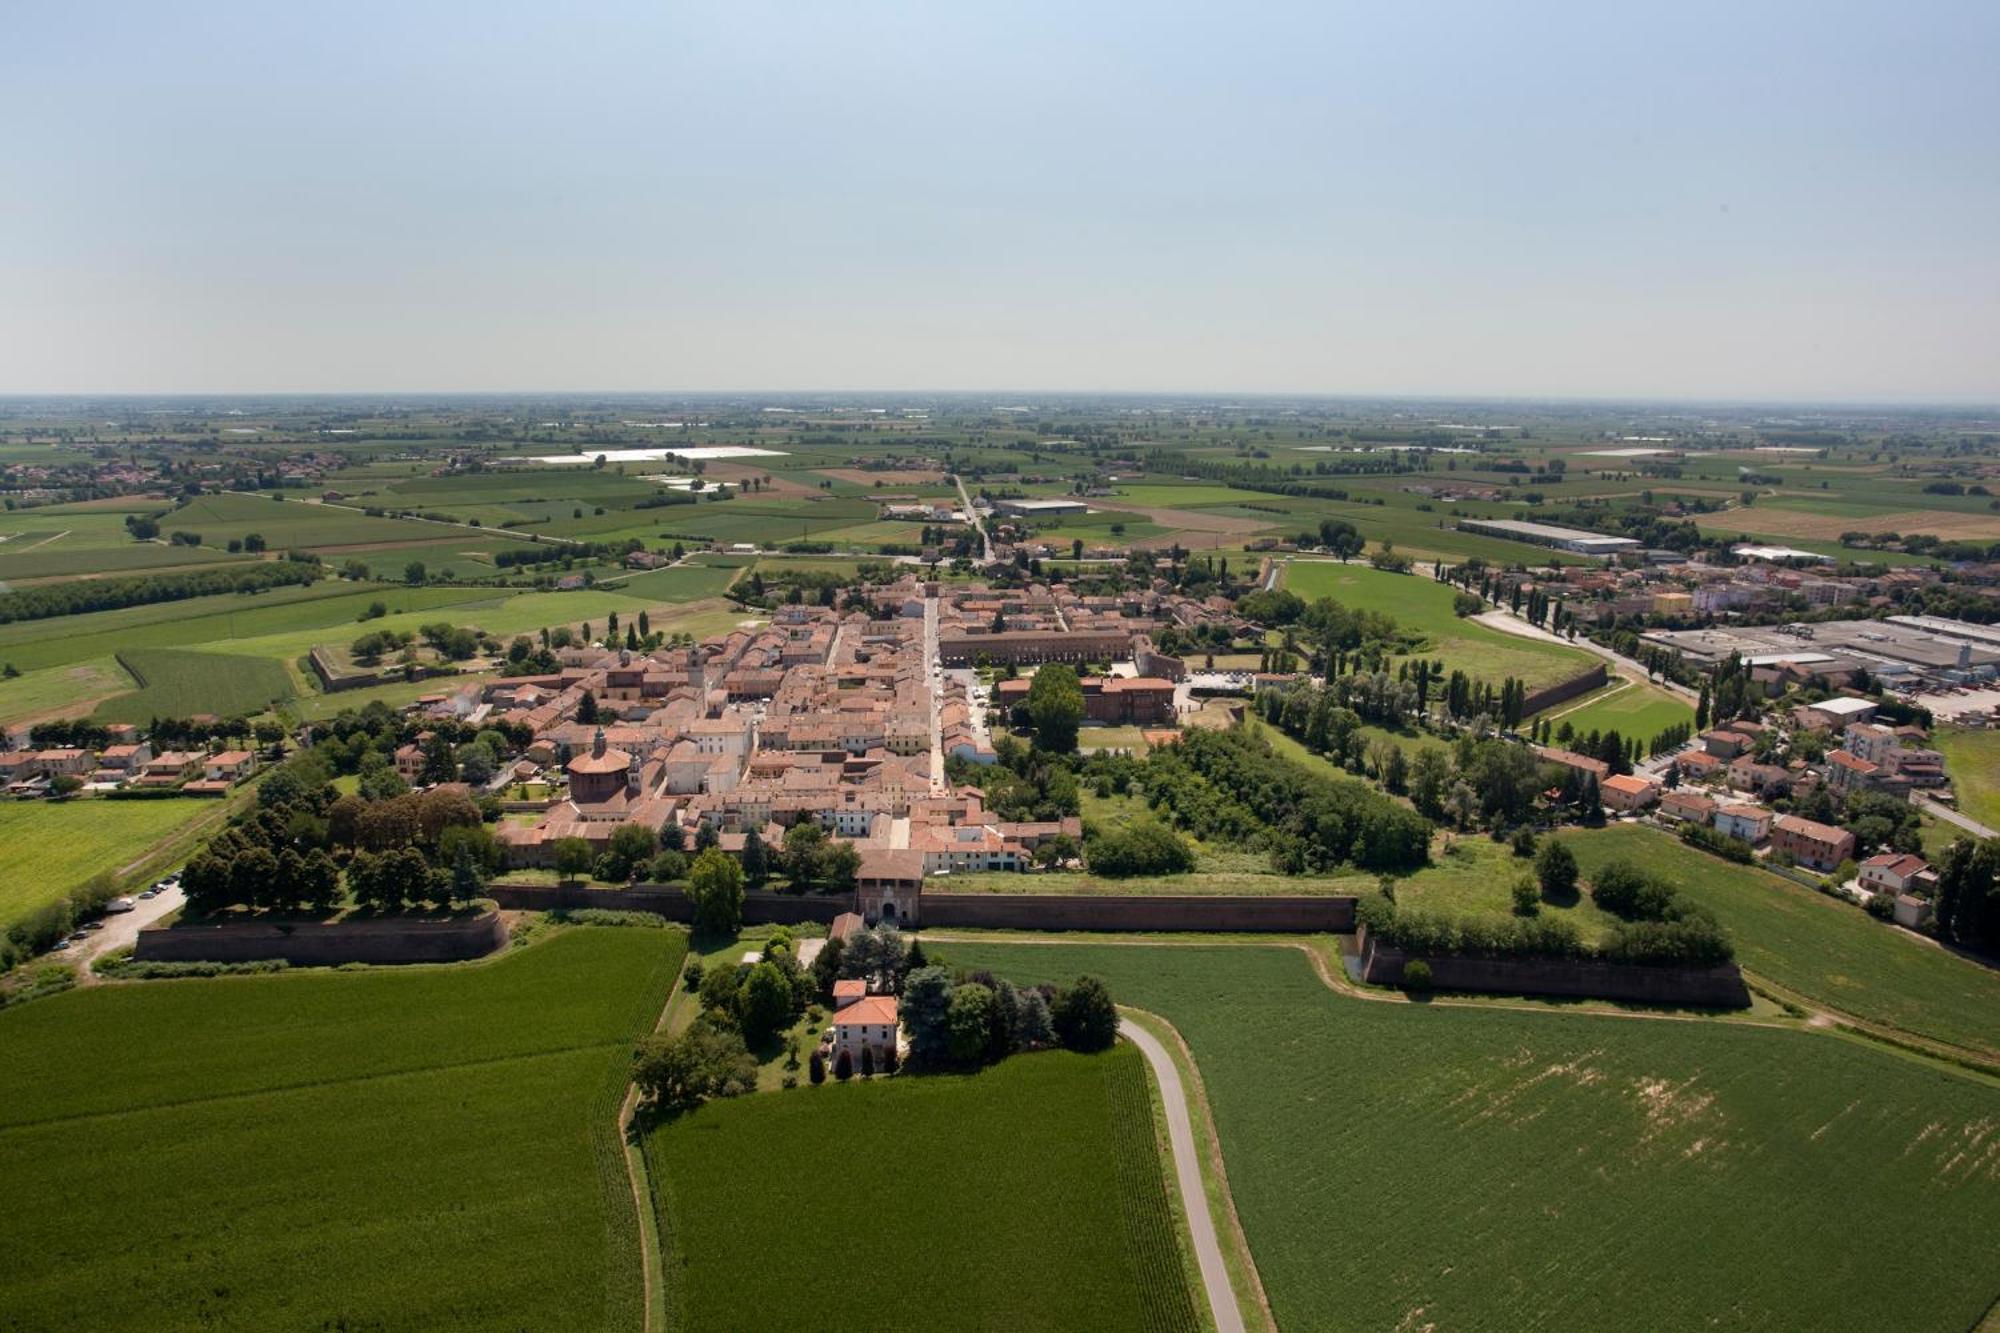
(425,1147)
(1425,606)
(288,523)
(1074,1234)
(216,620)
(1782,519)
(1827,950)
(1402,1166)
(34,695)
(48,848)
(181,682)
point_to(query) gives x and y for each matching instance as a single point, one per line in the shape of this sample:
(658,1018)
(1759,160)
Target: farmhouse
(1625,792)
(1897,872)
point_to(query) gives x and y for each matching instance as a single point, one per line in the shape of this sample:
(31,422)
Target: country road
(1187,1170)
(1951,816)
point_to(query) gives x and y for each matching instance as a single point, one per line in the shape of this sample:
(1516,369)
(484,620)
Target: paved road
(1187,1170)
(934,687)
(985,542)
(1951,816)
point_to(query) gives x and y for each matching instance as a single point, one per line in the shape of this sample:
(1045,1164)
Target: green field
(932,1215)
(429,1147)
(180,682)
(34,694)
(1628,708)
(1816,945)
(48,848)
(1424,606)
(1972,762)
(1400,1166)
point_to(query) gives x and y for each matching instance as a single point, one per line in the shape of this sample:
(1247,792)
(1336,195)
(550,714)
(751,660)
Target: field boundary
(651,1262)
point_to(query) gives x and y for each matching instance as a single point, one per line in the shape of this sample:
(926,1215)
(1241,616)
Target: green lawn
(1401,1166)
(1816,945)
(180,682)
(35,693)
(48,848)
(1972,761)
(1424,606)
(1027,1196)
(431,1147)
(1627,708)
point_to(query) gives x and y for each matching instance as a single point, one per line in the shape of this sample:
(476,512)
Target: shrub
(706,1061)
(843,1066)
(1527,897)
(1085,1018)
(1417,975)
(1147,847)
(816,1068)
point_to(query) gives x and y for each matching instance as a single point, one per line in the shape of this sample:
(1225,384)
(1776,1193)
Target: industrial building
(1547,534)
(1040,508)
(1905,649)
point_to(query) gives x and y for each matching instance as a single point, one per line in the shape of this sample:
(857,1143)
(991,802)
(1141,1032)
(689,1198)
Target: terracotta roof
(854,986)
(1629,784)
(872,1010)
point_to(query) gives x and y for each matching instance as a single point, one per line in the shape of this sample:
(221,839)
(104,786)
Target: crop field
(1074,1234)
(216,620)
(289,523)
(684,583)
(425,1147)
(36,694)
(1424,605)
(1403,1166)
(1826,949)
(1627,708)
(180,682)
(48,848)
(1972,759)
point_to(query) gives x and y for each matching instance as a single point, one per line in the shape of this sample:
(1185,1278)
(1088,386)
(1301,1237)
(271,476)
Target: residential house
(1819,846)
(1625,792)
(1749,823)
(868,1026)
(1897,872)
(1686,806)
(849,990)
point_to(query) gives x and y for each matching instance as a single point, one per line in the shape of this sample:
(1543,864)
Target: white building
(869,1025)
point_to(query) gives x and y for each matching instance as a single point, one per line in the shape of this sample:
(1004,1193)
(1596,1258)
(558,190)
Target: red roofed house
(844,925)
(1896,872)
(1750,823)
(1626,792)
(1686,805)
(849,990)
(1811,843)
(868,1025)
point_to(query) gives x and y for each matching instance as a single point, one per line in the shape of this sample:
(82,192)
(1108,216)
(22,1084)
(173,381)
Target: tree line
(80,595)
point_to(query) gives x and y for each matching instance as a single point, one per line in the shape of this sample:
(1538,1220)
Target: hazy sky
(1742,199)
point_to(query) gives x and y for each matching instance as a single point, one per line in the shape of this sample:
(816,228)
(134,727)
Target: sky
(1755,199)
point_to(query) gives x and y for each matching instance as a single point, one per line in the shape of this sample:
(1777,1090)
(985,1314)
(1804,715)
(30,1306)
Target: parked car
(89,928)
(120,905)
(150,893)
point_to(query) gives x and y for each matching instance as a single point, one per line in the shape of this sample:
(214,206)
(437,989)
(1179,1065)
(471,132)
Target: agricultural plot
(289,523)
(1628,708)
(1972,758)
(1807,942)
(425,1147)
(48,848)
(1406,1166)
(181,682)
(34,695)
(1075,1234)
(1425,606)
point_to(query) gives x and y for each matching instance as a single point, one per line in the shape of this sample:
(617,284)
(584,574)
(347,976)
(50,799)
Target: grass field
(1972,761)
(180,682)
(1628,708)
(935,1216)
(48,848)
(401,1148)
(1424,606)
(1817,946)
(34,694)
(1400,1166)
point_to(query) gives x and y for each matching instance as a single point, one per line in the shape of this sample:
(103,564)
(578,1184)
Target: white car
(117,905)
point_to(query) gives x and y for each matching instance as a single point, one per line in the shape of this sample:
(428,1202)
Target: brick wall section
(759,909)
(311,944)
(1051,911)
(1708,988)
(1564,690)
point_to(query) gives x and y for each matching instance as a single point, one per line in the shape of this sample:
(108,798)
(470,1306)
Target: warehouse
(1547,534)
(1040,508)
